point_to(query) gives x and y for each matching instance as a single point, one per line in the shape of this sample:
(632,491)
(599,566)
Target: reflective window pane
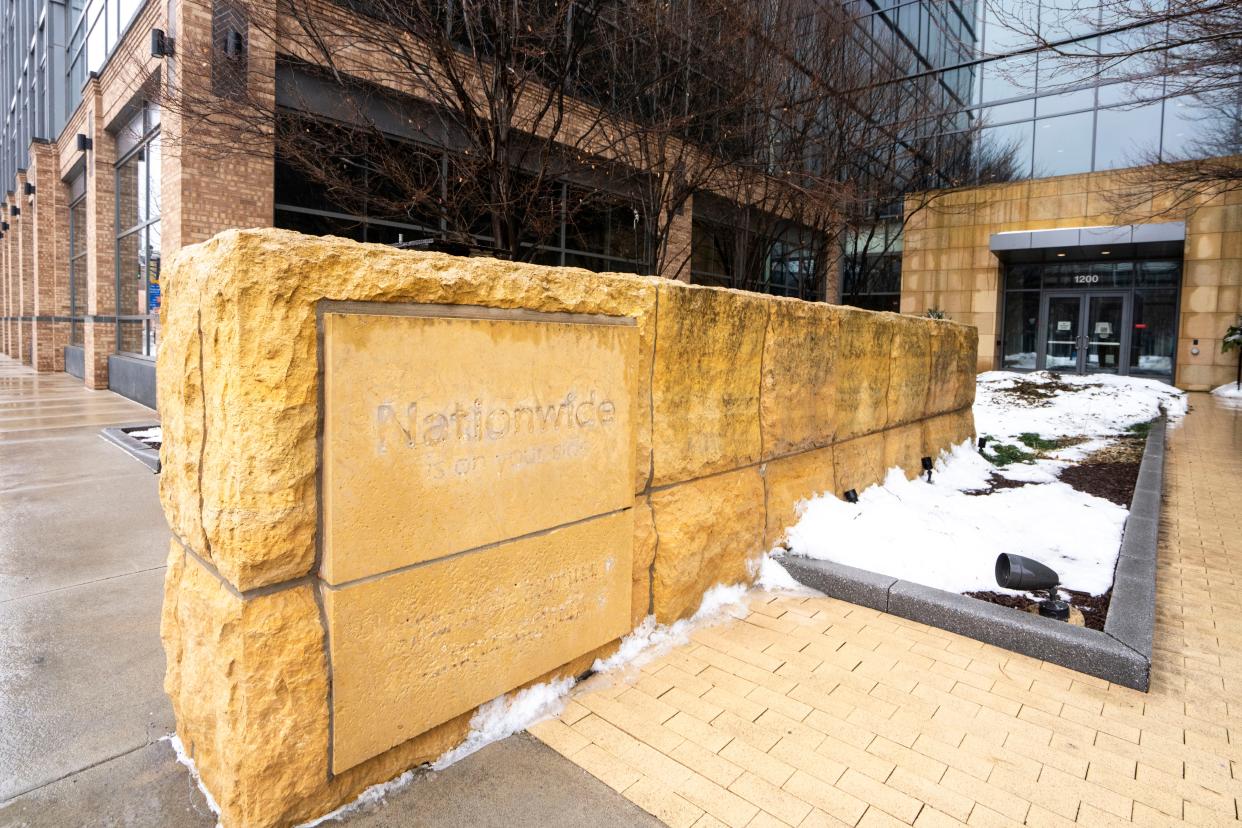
(1154,335)
(1006,149)
(1127,137)
(1159,274)
(1065,102)
(1021,330)
(1063,144)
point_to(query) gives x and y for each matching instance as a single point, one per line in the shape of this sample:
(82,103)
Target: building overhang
(1164,239)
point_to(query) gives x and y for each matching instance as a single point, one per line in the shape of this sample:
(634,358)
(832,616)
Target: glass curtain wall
(96,26)
(138,235)
(77,258)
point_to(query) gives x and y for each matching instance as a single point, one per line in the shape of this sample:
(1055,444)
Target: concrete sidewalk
(82,708)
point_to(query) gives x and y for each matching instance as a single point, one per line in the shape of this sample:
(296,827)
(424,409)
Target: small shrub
(1140,429)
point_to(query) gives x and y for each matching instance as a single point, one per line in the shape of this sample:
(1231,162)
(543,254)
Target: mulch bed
(1094,607)
(1111,481)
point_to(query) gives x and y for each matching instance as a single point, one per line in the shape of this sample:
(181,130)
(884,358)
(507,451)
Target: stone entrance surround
(332,618)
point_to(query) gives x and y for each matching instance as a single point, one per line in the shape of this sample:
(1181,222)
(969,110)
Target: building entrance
(1092,317)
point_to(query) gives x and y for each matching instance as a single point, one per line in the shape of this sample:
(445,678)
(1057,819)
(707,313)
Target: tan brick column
(205,190)
(50,242)
(679,244)
(100,333)
(6,277)
(24,244)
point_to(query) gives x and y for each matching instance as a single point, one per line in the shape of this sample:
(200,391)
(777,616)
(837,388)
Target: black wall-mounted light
(4,225)
(234,44)
(85,144)
(851,496)
(29,188)
(14,210)
(983,443)
(162,45)
(927,467)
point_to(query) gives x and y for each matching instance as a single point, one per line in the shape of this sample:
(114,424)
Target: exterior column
(6,275)
(50,242)
(239,193)
(680,243)
(100,334)
(24,244)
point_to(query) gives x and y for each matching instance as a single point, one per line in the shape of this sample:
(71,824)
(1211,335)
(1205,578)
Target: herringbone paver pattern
(812,711)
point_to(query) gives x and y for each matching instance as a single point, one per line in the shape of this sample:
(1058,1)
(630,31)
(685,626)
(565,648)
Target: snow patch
(184,758)
(937,535)
(1229,392)
(775,578)
(153,435)
(1098,405)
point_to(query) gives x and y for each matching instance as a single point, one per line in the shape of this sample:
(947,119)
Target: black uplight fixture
(1028,575)
(927,467)
(14,210)
(851,496)
(29,188)
(4,225)
(85,144)
(983,443)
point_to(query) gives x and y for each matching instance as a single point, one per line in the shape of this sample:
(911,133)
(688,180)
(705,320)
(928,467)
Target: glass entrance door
(1062,332)
(1105,328)
(1085,333)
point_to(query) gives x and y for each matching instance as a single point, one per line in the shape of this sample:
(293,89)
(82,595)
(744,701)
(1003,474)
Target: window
(77,259)
(1126,137)
(138,288)
(1063,144)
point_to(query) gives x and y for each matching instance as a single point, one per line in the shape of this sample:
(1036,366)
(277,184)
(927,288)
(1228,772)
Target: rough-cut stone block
(710,532)
(859,462)
(953,351)
(644,557)
(909,370)
(864,369)
(240,485)
(790,480)
(858,586)
(705,389)
(942,432)
(799,376)
(903,449)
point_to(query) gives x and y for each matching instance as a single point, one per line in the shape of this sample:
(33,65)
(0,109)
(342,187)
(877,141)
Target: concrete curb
(143,453)
(1120,654)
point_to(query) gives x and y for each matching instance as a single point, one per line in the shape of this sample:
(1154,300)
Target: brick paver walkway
(812,711)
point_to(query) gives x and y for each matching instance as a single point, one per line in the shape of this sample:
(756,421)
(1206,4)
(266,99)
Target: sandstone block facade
(742,407)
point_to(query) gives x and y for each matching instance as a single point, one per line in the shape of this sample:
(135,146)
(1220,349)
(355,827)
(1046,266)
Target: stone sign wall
(401,484)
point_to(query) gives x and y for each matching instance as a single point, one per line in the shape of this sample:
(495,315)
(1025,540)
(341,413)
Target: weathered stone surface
(952,366)
(864,369)
(710,532)
(903,448)
(705,389)
(644,557)
(799,376)
(413,649)
(527,417)
(859,462)
(947,430)
(246,424)
(909,370)
(790,480)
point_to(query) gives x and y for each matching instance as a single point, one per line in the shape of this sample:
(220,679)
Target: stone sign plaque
(443,434)
(414,649)
(477,530)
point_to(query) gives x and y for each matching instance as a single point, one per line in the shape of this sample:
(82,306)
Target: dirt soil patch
(1038,393)
(995,483)
(1094,608)
(1110,473)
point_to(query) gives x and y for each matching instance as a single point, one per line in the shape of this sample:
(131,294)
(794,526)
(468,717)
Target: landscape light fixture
(161,44)
(85,144)
(851,496)
(983,443)
(927,467)
(1028,575)
(29,188)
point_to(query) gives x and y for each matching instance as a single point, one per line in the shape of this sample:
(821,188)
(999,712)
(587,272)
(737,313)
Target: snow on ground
(148,435)
(1098,405)
(1229,392)
(939,536)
